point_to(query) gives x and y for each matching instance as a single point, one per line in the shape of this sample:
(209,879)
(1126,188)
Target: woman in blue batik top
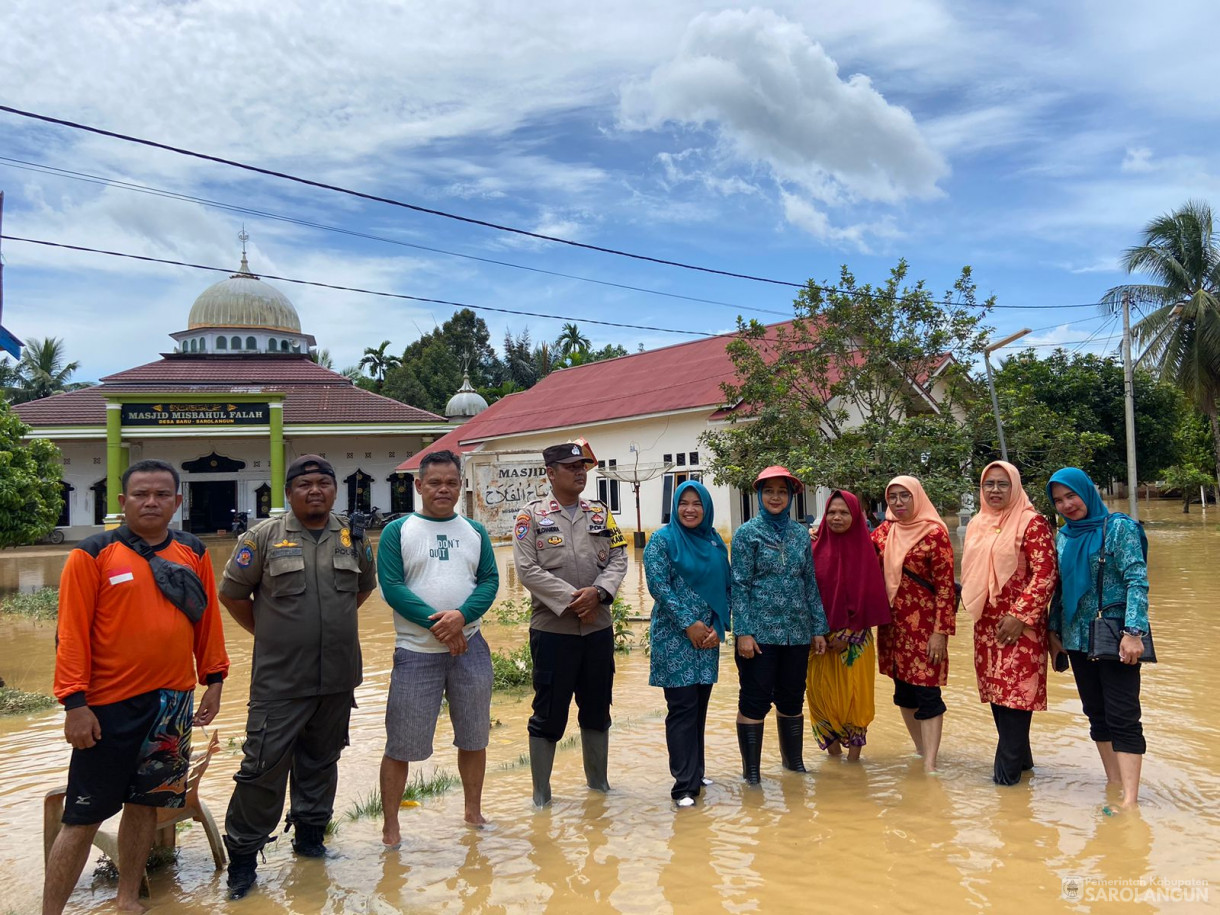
(1109,690)
(777,617)
(687,567)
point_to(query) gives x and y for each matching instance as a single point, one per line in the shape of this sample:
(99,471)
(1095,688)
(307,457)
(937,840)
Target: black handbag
(1105,633)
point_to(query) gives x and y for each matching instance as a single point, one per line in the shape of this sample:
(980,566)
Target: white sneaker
(686,802)
(707,781)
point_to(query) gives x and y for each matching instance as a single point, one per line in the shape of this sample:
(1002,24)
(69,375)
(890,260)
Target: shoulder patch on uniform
(522,530)
(368,551)
(250,543)
(244,556)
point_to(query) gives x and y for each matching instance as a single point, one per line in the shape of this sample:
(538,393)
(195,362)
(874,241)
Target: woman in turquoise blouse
(1109,690)
(777,618)
(687,567)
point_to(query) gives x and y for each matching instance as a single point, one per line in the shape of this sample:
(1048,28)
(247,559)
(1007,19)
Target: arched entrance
(402,492)
(359,491)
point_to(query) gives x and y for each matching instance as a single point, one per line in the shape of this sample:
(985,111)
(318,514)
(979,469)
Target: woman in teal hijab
(687,567)
(1109,690)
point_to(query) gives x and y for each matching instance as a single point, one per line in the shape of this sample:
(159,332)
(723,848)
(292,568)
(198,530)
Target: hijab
(1082,539)
(848,576)
(778,522)
(903,535)
(699,555)
(993,542)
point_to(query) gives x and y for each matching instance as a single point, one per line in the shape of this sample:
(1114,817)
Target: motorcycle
(241,522)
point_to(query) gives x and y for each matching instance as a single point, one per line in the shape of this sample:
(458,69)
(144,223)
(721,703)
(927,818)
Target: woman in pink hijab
(1008,576)
(917,561)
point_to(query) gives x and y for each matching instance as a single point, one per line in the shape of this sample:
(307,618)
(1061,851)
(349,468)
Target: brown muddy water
(878,836)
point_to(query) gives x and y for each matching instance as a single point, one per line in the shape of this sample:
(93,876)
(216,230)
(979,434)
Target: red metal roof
(679,377)
(312,394)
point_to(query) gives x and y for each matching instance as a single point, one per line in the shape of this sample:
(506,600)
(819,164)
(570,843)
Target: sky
(1030,141)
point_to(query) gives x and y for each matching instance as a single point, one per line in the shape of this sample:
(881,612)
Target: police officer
(571,557)
(295,582)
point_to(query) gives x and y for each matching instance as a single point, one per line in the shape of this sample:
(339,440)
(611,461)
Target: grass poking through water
(417,789)
(42,604)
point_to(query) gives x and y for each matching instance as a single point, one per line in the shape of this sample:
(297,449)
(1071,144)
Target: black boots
(792,742)
(241,871)
(749,739)
(595,747)
(308,840)
(542,759)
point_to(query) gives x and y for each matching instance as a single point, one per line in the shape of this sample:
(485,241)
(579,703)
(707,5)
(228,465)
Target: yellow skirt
(840,692)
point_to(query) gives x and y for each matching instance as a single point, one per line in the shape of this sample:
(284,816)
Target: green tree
(30,500)
(571,340)
(378,362)
(43,372)
(323,358)
(1181,335)
(1083,394)
(843,394)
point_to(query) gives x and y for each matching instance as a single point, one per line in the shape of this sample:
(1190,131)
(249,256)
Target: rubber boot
(542,759)
(595,746)
(308,841)
(750,739)
(242,867)
(792,742)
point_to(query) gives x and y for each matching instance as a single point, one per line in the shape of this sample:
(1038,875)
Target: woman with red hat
(777,615)
(917,561)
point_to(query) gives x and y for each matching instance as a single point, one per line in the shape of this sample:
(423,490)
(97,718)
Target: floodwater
(878,836)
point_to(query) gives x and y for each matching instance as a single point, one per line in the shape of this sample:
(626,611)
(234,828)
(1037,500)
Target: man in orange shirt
(126,663)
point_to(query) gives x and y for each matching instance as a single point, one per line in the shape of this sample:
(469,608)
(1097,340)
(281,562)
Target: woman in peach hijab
(917,560)
(1008,576)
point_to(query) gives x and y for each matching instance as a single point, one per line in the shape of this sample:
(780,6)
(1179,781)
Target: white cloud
(773,97)
(1137,160)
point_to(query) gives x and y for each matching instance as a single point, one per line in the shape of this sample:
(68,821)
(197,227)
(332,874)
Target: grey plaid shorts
(418,682)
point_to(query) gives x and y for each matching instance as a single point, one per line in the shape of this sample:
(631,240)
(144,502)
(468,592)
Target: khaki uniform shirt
(306,630)
(555,556)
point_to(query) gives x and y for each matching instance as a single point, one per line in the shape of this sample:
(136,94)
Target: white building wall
(84,465)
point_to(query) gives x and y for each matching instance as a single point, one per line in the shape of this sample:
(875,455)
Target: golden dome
(243,300)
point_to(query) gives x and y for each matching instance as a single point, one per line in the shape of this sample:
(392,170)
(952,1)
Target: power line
(356,289)
(42,168)
(376,198)
(469,220)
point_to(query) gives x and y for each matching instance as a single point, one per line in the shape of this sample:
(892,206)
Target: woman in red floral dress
(1009,573)
(917,560)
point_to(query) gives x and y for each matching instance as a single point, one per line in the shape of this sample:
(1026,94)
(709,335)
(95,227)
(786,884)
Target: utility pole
(8,343)
(1129,410)
(995,401)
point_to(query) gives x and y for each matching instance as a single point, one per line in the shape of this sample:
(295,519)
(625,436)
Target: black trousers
(567,666)
(776,675)
(1110,694)
(1013,754)
(301,737)
(684,727)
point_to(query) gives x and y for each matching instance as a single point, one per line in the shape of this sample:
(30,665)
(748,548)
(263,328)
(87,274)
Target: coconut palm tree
(1181,334)
(42,371)
(378,361)
(322,357)
(571,340)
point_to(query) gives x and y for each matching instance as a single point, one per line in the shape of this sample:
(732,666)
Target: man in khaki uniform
(295,582)
(571,557)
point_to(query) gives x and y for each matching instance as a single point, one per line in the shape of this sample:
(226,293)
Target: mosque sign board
(222,413)
(502,483)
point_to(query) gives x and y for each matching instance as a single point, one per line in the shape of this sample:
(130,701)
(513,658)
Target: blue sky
(1031,141)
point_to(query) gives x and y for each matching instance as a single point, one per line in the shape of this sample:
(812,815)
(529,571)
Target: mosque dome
(466,403)
(244,301)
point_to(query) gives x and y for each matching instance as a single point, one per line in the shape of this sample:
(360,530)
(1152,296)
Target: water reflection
(877,835)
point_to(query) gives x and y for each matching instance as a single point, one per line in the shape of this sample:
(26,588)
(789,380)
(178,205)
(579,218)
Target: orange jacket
(119,636)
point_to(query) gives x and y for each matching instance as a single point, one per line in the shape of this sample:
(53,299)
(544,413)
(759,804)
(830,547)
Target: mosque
(236,401)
